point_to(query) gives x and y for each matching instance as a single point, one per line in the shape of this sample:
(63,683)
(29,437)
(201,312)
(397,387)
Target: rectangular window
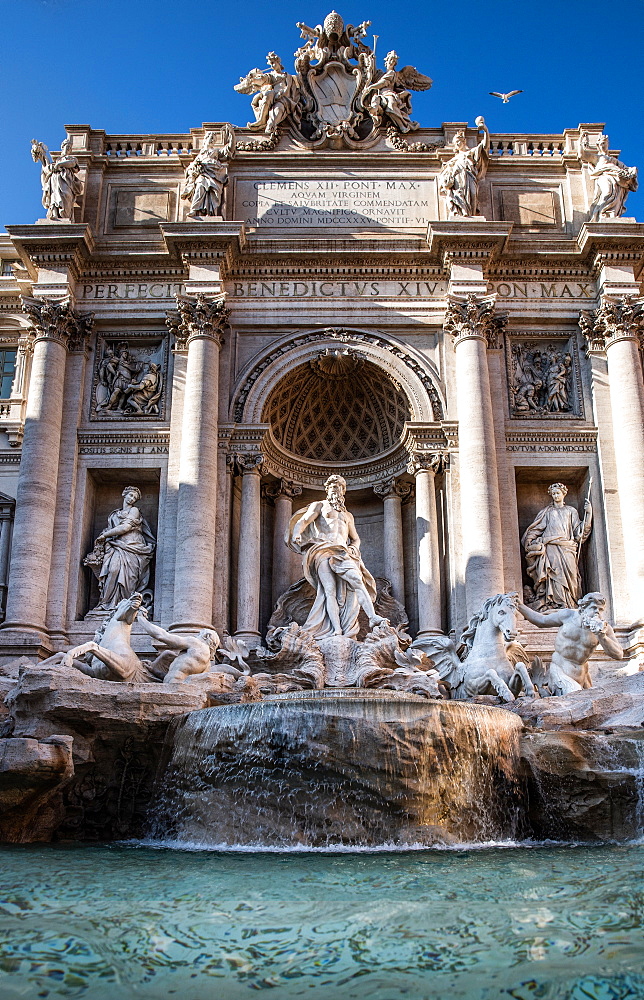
(6,268)
(7,372)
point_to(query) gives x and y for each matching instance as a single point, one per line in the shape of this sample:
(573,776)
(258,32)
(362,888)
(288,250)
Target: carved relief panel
(130,377)
(543,377)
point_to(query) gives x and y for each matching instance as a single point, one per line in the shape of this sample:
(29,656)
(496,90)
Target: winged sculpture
(387,96)
(336,94)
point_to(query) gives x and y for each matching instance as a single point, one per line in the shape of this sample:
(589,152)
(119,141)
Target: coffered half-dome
(338,407)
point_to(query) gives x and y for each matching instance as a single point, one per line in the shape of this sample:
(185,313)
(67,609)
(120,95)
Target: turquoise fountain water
(523,923)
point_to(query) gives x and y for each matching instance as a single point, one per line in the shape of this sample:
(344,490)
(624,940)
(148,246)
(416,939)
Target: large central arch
(294,384)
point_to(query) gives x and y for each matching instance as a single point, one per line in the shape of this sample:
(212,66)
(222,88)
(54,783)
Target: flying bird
(505,97)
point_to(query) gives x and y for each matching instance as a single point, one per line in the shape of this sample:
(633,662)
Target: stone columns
(392,493)
(7,510)
(617,328)
(282,494)
(249,563)
(201,322)
(424,467)
(54,323)
(472,323)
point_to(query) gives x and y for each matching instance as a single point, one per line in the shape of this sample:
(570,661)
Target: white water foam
(385,848)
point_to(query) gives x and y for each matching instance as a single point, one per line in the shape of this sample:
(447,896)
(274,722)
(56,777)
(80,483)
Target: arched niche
(337,400)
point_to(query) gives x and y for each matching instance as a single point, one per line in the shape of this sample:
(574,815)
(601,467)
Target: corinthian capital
(283,488)
(198,317)
(474,317)
(250,463)
(615,319)
(427,461)
(54,319)
(392,488)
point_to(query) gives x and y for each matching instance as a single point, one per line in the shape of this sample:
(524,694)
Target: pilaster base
(189,628)
(252,639)
(17,639)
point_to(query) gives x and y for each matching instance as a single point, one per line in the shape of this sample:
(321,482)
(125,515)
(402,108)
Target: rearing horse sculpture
(493,661)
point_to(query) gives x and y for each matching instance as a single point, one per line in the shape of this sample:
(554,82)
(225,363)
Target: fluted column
(472,323)
(248,562)
(54,324)
(392,493)
(201,323)
(617,328)
(424,466)
(282,494)
(7,509)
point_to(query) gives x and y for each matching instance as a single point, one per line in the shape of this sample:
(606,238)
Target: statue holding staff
(552,546)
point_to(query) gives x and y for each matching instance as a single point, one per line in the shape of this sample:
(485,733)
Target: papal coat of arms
(337,93)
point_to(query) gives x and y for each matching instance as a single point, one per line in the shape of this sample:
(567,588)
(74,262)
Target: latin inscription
(271,289)
(544,289)
(132,290)
(336,289)
(400,289)
(292,204)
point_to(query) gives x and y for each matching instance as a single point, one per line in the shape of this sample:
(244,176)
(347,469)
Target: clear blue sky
(169,65)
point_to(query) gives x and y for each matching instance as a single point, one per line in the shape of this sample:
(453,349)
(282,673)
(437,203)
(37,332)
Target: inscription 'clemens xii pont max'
(344,201)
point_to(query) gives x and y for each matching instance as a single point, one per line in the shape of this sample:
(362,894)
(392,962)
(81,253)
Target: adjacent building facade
(331,312)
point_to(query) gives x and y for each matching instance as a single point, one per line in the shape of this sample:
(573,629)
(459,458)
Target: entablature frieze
(135,442)
(559,440)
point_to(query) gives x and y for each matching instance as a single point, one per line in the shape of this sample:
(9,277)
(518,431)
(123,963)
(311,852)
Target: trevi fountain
(322,554)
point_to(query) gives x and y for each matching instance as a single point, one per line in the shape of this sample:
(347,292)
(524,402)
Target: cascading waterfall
(351,767)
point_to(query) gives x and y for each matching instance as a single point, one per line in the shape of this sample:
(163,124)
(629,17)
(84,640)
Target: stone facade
(323,311)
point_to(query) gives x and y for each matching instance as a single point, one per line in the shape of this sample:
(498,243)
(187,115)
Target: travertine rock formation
(33,775)
(585,785)
(114,737)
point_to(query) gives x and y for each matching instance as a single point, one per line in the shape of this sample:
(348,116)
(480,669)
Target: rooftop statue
(552,546)
(613,179)
(277,95)
(61,185)
(388,97)
(459,180)
(581,630)
(325,534)
(207,176)
(337,92)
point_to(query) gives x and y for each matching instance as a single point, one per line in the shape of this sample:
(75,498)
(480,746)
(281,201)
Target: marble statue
(109,656)
(581,630)
(207,176)
(337,94)
(143,395)
(127,385)
(122,553)
(116,373)
(184,654)
(613,179)
(325,534)
(459,180)
(541,379)
(493,662)
(61,185)
(388,95)
(552,546)
(276,94)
